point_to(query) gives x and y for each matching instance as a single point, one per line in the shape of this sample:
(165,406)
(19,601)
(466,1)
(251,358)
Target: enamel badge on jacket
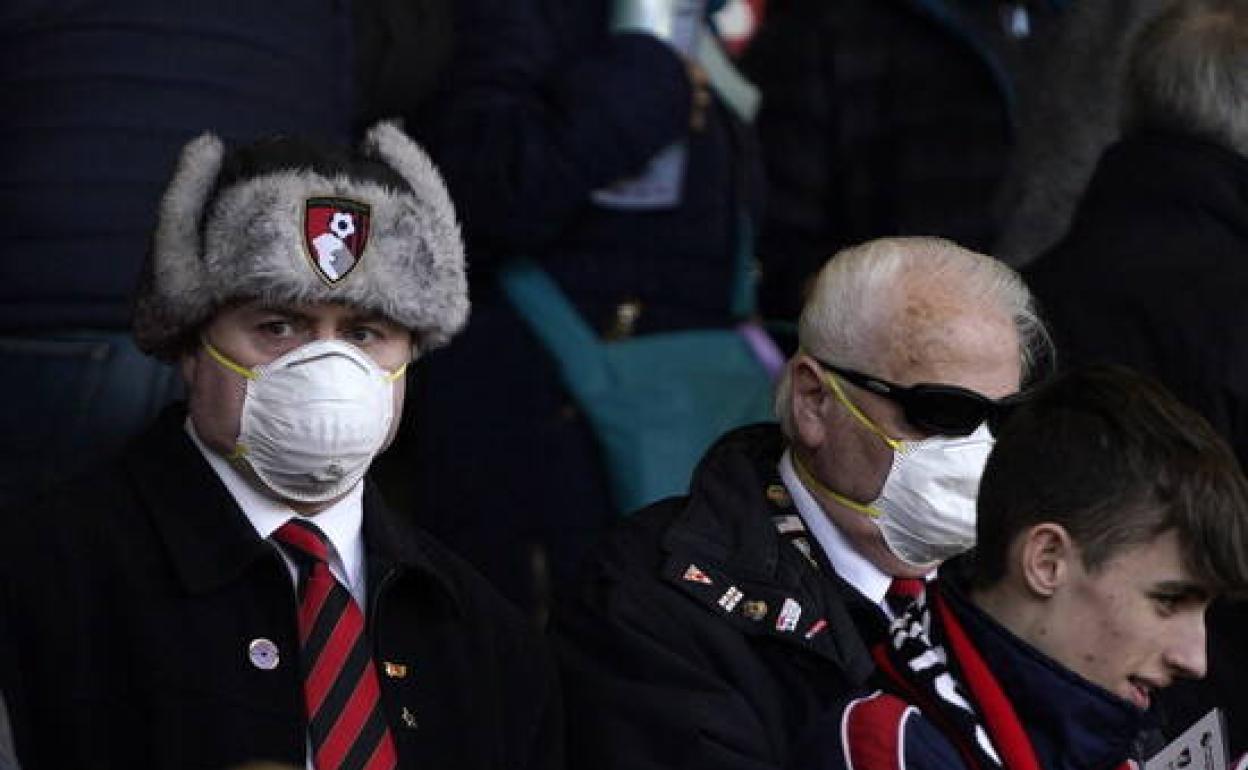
(335,232)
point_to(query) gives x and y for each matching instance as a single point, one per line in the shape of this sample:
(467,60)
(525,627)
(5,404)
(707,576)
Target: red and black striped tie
(345,721)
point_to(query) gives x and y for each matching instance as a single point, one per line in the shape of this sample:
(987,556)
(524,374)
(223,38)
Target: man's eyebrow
(371,316)
(1185,588)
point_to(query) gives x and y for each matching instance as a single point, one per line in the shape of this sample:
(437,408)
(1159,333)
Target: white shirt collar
(342,522)
(852,566)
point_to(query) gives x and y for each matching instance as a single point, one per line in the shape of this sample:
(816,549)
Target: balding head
(903,311)
(915,310)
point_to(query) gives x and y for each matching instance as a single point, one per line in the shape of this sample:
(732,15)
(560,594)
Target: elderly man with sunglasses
(711,631)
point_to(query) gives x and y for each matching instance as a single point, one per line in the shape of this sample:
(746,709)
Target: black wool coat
(700,637)
(1154,272)
(131,599)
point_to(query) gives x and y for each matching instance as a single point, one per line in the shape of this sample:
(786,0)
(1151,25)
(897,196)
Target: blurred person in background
(1067,117)
(885,117)
(571,133)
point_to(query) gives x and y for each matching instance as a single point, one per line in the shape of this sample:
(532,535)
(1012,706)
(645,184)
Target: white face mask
(926,510)
(927,506)
(313,418)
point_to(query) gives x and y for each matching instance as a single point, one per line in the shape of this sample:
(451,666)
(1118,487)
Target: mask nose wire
(250,374)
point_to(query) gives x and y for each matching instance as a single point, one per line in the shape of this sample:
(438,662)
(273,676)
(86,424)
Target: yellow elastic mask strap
(396,374)
(831,381)
(809,480)
(240,451)
(242,371)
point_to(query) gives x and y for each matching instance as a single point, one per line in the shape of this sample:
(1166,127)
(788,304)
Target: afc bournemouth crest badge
(335,233)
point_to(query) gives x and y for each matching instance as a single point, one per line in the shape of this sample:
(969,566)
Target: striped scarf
(929,659)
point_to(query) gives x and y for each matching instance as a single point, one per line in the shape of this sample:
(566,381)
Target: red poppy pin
(335,233)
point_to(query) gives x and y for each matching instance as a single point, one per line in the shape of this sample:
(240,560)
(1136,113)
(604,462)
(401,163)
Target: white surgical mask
(926,510)
(313,418)
(927,506)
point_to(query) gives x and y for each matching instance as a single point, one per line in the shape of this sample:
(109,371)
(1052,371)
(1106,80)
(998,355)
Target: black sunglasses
(946,410)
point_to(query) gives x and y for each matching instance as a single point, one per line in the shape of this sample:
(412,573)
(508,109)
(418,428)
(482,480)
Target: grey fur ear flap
(175,284)
(387,142)
(438,256)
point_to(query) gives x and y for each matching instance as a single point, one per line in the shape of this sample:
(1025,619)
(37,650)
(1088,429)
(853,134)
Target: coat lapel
(209,540)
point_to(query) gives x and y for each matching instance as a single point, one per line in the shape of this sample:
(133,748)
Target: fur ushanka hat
(375,231)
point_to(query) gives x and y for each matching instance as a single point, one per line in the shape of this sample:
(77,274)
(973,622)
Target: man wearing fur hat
(232,589)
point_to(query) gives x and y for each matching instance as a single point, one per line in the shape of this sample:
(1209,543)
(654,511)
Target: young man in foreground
(1109,517)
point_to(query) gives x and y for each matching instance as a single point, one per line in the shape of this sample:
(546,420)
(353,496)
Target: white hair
(860,289)
(1188,72)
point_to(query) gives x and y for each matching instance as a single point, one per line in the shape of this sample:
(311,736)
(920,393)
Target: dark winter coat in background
(882,117)
(1154,272)
(102,98)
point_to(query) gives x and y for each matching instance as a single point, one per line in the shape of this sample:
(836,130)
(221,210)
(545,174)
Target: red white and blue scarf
(946,677)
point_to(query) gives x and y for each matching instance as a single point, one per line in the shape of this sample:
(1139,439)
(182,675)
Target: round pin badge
(754,610)
(263,654)
(778,495)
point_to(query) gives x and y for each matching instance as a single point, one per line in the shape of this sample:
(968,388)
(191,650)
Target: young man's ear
(1045,554)
(810,402)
